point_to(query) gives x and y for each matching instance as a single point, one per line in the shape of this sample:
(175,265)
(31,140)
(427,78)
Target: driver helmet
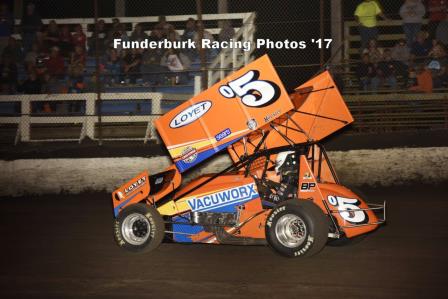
(280,160)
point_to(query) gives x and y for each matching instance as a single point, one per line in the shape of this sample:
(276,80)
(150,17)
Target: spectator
(41,65)
(176,62)
(79,38)
(386,71)
(156,35)
(55,64)
(118,33)
(152,70)
(51,35)
(131,65)
(375,53)
(99,35)
(115,24)
(442,32)
(31,24)
(189,34)
(437,12)
(138,34)
(421,47)
(52,86)
(227,31)
(6,25)
(77,63)
(77,86)
(424,80)
(163,26)
(365,71)
(13,50)
(437,64)
(210,53)
(412,13)
(41,43)
(8,75)
(190,30)
(65,41)
(113,67)
(92,85)
(173,35)
(366,15)
(400,52)
(31,57)
(31,85)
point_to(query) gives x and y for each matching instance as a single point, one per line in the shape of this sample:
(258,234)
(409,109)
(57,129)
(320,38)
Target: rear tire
(297,228)
(139,228)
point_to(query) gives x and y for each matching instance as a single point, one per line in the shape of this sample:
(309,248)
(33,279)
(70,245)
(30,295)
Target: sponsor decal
(189,154)
(134,186)
(268,118)
(223,198)
(190,114)
(221,135)
(252,124)
(275,212)
(304,249)
(307,187)
(307,176)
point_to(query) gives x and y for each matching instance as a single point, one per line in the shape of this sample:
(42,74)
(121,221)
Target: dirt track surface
(62,246)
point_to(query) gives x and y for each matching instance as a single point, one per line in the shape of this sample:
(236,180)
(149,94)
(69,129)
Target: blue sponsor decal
(221,135)
(201,156)
(223,198)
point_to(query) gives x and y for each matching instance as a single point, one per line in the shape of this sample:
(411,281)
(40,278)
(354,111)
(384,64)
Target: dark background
(276,20)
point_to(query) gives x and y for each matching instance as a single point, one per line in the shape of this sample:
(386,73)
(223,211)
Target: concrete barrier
(385,167)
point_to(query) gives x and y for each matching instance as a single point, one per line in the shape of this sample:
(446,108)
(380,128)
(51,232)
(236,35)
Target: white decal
(253,92)
(190,114)
(348,208)
(223,198)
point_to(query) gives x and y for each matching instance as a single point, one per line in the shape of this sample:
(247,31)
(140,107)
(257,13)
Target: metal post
(120,8)
(336,29)
(97,77)
(201,50)
(18,9)
(223,7)
(322,31)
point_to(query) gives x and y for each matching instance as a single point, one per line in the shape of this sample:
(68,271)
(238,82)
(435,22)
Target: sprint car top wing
(219,116)
(319,111)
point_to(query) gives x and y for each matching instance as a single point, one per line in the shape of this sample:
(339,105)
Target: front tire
(297,228)
(139,228)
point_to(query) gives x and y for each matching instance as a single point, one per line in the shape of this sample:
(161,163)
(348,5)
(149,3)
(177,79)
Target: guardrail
(87,24)
(88,119)
(372,113)
(398,112)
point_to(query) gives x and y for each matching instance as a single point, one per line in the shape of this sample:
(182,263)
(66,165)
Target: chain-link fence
(63,78)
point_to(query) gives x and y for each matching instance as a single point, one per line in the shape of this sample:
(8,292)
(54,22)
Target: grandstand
(127,109)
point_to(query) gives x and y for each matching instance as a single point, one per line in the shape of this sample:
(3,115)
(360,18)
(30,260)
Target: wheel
(139,228)
(297,228)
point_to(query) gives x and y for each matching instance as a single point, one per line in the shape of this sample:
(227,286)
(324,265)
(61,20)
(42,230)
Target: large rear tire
(297,228)
(139,228)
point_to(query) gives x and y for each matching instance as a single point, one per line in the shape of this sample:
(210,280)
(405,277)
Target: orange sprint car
(280,190)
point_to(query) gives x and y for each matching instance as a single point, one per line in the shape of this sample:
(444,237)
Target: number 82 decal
(349,209)
(253,92)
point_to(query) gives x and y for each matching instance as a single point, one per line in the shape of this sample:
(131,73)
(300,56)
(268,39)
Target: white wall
(357,167)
